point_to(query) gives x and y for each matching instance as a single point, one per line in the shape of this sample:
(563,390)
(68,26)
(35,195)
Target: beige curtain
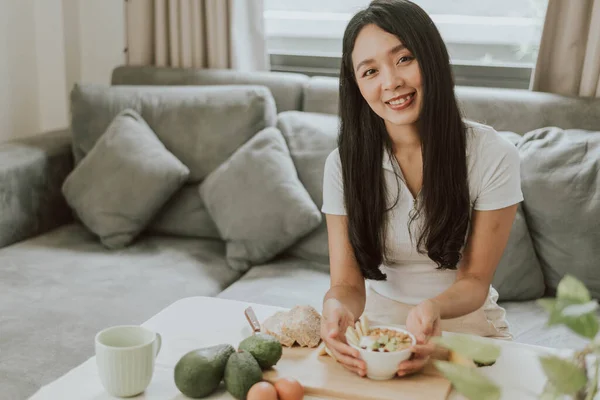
(220,34)
(569,57)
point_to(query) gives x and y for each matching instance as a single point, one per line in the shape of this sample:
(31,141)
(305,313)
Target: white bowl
(384,365)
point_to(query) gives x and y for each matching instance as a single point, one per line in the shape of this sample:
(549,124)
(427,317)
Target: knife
(252,320)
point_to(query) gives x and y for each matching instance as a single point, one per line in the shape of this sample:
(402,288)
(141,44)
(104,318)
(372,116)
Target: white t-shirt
(494,183)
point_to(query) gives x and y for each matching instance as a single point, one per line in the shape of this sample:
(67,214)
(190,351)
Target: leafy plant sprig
(568,377)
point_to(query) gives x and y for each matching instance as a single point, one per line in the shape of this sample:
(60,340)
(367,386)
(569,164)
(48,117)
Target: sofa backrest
(321,95)
(287,88)
(513,110)
(309,136)
(201,126)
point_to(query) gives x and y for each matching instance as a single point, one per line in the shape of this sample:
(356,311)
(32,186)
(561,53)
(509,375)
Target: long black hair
(363,139)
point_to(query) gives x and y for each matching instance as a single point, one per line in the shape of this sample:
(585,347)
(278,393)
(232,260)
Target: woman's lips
(402,103)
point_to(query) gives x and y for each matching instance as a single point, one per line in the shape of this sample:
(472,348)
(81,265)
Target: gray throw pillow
(257,201)
(561,186)
(310,138)
(123,181)
(185,215)
(519,273)
(202,126)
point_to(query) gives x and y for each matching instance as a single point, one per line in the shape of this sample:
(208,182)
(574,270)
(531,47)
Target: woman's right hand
(336,319)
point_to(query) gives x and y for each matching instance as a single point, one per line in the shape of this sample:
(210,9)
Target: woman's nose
(392,80)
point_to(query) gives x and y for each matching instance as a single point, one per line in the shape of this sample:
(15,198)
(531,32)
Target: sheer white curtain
(569,57)
(197,33)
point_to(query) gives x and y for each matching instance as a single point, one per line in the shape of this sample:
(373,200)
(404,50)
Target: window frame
(293,26)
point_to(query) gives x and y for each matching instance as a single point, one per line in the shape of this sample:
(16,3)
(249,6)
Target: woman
(419,203)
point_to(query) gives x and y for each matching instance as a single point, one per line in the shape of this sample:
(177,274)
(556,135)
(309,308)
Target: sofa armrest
(32,170)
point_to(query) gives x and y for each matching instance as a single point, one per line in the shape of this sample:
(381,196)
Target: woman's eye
(369,72)
(405,59)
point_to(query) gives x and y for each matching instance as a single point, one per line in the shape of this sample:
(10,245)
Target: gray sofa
(59,285)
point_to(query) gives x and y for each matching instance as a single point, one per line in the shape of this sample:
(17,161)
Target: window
(491,43)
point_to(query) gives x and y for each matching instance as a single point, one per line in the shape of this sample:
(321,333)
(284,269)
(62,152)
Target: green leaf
(469,381)
(550,393)
(550,305)
(575,319)
(476,350)
(570,288)
(566,377)
(578,310)
(586,326)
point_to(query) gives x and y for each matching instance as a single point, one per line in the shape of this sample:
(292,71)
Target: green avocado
(199,372)
(241,373)
(265,348)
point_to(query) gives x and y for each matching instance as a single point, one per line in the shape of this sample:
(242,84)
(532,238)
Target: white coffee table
(197,322)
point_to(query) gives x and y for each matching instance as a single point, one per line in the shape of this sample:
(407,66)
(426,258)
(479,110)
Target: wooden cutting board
(321,376)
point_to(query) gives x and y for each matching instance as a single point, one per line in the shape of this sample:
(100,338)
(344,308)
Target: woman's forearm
(465,295)
(352,298)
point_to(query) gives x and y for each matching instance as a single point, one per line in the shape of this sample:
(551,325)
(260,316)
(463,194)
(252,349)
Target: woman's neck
(405,138)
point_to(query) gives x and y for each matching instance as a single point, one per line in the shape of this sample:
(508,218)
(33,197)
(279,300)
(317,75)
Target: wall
(72,40)
(50,64)
(94,33)
(46,46)
(19,109)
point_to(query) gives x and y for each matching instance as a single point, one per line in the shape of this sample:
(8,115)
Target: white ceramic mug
(125,358)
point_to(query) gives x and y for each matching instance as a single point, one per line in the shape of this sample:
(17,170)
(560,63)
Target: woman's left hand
(423,321)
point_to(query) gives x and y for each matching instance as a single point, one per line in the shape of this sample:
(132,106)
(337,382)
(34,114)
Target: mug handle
(158,343)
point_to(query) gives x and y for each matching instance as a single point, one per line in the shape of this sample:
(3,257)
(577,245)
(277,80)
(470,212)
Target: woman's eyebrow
(393,50)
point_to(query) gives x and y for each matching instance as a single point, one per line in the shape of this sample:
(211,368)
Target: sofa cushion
(201,126)
(310,138)
(284,282)
(185,215)
(527,322)
(561,186)
(257,201)
(59,289)
(123,181)
(32,171)
(519,274)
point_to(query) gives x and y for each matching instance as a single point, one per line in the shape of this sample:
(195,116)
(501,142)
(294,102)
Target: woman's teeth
(401,100)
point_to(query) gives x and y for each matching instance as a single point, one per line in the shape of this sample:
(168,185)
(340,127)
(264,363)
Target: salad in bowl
(382,347)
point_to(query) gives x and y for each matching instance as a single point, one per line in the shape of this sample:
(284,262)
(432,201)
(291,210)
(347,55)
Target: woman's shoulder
(334,156)
(478,133)
(333,163)
(493,168)
(333,187)
(483,141)
(488,154)
(333,166)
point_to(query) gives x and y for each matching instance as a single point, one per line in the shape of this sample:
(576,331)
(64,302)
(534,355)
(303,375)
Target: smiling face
(388,76)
